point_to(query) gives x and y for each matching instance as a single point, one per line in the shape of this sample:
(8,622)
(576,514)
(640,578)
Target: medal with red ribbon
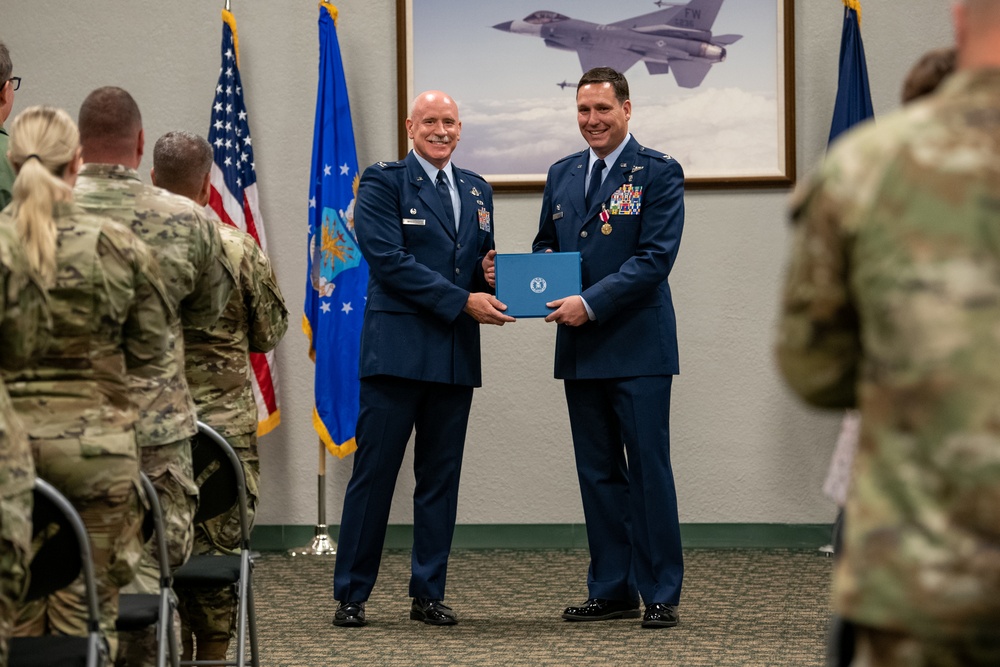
(605,216)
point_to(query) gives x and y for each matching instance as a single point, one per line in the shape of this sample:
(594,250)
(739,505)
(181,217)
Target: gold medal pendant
(605,216)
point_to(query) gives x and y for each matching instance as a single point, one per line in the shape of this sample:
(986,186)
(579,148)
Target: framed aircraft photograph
(711,82)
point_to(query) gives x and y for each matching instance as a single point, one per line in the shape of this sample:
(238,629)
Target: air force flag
(337,273)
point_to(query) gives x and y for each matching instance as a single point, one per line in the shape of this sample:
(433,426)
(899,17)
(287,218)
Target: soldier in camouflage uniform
(110,318)
(892,304)
(25,327)
(219,376)
(6,102)
(198,280)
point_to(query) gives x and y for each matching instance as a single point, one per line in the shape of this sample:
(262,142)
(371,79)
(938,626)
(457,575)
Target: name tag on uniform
(414,221)
(557,216)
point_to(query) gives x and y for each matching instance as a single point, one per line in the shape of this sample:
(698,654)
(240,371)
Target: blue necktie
(442,188)
(595,182)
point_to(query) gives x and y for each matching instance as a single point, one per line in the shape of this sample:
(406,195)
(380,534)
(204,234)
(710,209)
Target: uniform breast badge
(484,220)
(605,216)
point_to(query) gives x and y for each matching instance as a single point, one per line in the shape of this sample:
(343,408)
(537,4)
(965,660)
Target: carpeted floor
(739,607)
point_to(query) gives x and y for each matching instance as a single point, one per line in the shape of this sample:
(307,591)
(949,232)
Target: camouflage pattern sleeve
(893,302)
(267,314)
(25,320)
(148,314)
(818,348)
(214,281)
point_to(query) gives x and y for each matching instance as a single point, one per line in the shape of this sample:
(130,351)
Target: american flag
(234,195)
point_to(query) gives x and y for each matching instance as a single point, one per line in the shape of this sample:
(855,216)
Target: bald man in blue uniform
(425,228)
(621,206)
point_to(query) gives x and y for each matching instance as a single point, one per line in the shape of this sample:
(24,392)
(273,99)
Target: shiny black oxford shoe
(432,612)
(597,609)
(660,616)
(350,615)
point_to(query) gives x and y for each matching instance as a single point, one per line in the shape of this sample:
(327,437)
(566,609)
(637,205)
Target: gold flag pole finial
(851,4)
(331,9)
(227,17)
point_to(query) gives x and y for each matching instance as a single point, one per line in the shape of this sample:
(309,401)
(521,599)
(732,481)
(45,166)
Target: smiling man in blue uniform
(621,206)
(426,229)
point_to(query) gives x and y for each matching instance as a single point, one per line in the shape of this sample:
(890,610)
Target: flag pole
(852,105)
(322,544)
(334,261)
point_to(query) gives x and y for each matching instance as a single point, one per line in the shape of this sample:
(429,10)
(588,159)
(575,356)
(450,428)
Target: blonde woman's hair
(43,142)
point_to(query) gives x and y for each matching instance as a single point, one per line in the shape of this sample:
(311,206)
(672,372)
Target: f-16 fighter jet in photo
(677,39)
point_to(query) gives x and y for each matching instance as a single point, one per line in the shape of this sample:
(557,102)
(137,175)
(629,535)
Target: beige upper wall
(744,450)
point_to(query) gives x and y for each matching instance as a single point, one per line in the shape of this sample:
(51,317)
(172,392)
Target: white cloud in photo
(711,132)
(716,131)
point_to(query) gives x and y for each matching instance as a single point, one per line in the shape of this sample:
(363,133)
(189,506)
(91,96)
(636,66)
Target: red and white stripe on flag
(234,195)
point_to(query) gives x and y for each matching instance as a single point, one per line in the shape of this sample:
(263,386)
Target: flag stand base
(321,545)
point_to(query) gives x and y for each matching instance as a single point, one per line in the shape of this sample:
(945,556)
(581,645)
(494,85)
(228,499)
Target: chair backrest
(56,563)
(153,526)
(62,549)
(219,475)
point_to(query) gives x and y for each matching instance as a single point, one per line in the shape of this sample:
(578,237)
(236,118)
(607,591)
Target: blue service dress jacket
(628,242)
(421,272)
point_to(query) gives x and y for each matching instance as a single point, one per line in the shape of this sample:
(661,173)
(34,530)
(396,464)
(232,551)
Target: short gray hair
(6,68)
(181,160)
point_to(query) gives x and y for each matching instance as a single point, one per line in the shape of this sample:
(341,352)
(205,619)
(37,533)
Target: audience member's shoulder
(114,235)
(229,232)
(118,232)
(10,242)
(159,199)
(234,238)
(870,145)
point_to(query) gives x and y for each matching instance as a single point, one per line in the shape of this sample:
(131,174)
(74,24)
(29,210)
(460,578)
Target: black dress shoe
(350,615)
(660,616)
(432,612)
(597,609)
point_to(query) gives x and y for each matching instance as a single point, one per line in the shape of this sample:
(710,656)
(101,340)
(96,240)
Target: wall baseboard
(805,536)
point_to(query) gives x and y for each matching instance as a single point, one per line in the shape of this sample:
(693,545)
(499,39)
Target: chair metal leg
(241,633)
(252,619)
(167,651)
(173,648)
(97,650)
(162,631)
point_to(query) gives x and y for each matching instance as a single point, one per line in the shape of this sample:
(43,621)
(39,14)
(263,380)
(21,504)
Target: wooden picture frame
(735,128)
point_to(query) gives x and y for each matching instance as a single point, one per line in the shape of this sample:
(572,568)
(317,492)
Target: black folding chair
(137,611)
(64,553)
(221,485)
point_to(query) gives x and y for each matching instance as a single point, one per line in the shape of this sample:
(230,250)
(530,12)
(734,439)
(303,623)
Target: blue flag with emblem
(337,276)
(854,99)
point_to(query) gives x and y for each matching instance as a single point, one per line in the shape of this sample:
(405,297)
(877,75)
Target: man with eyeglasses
(10,84)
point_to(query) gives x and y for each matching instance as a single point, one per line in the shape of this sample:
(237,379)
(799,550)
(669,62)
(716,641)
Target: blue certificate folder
(526,282)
